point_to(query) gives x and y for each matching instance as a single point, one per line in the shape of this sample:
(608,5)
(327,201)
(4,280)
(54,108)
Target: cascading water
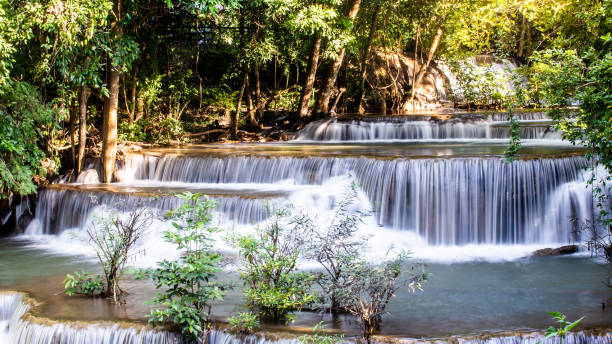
(446,201)
(495,126)
(64,208)
(21,328)
(457,191)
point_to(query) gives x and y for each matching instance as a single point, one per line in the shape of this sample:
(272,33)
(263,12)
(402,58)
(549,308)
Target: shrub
(113,239)
(83,283)
(188,286)
(273,285)
(370,287)
(244,322)
(564,327)
(319,337)
(337,245)
(25,123)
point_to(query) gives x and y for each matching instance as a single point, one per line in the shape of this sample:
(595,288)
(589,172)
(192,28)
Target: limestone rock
(563,250)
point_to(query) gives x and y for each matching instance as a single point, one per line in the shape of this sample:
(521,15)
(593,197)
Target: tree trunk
(252,109)
(322,105)
(342,90)
(133,95)
(111,103)
(522,37)
(140,107)
(83,96)
(236,115)
(423,69)
(259,101)
(73,143)
(364,58)
(197,59)
(311,72)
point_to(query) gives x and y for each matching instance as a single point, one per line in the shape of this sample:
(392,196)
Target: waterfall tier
(20,327)
(397,128)
(64,206)
(446,201)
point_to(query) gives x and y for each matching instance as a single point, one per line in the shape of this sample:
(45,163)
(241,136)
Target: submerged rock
(563,250)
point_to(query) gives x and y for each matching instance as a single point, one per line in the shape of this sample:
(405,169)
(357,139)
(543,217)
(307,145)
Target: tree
(113,239)
(315,20)
(370,287)
(337,246)
(189,285)
(24,125)
(322,105)
(274,286)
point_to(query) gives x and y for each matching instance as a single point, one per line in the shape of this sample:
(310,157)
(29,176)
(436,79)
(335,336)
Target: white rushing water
(17,329)
(448,203)
(533,125)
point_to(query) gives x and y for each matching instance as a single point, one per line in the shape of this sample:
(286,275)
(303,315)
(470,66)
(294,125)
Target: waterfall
(532,126)
(63,208)
(23,328)
(536,338)
(446,201)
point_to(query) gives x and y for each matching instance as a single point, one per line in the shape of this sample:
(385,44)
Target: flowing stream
(436,185)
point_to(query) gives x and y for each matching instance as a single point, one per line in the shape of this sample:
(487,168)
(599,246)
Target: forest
(82,79)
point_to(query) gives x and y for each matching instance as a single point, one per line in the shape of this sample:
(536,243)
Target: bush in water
(370,287)
(189,285)
(244,322)
(319,337)
(564,327)
(113,239)
(83,283)
(336,245)
(274,287)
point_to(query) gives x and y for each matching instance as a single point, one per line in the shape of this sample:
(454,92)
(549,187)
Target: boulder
(563,250)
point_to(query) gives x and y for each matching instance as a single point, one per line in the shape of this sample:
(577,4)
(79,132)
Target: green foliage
(564,326)
(370,287)
(114,238)
(337,246)
(480,86)
(319,337)
(244,322)
(83,283)
(25,123)
(566,79)
(287,101)
(555,74)
(158,129)
(515,139)
(188,286)
(274,287)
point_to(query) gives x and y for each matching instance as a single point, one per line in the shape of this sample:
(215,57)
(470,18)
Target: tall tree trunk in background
(83,96)
(252,108)
(73,143)
(111,103)
(423,69)
(132,110)
(140,107)
(259,102)
(364,58)
(197,58)
(522,37)
(322,105)
(236,115)
(311,73)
